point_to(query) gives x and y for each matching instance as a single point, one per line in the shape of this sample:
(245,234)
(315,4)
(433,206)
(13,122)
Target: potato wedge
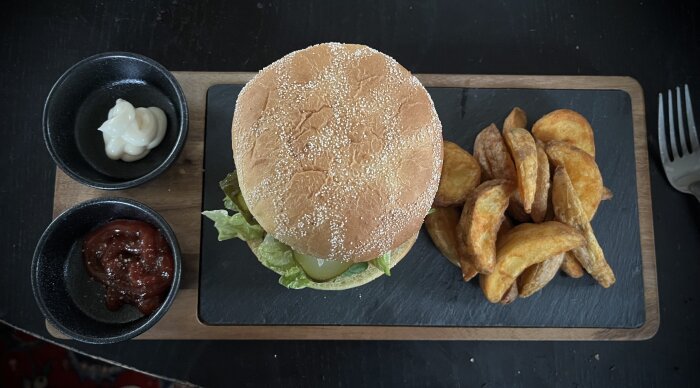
(523,246)
(461,173)
(583,171)
(569,210)
(571,266)
(539,205)
(491,152)
(516,119)
(568,126)
(442,228)
(479,223)
(441,225)
(607,194)
(522,148)
(535,277)
(511,295)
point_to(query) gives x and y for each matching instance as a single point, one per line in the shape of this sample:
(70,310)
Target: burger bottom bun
(352,281)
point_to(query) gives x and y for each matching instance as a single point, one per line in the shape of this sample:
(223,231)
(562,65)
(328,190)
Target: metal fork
(683,170)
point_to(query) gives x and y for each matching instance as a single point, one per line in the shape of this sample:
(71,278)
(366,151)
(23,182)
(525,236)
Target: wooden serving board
(177,195)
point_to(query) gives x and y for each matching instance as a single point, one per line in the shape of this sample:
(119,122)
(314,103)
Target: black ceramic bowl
(79,102)
(72,301)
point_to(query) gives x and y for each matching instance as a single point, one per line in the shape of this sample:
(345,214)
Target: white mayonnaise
(131,133)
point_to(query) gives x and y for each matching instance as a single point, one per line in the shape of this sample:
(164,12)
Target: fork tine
(663,148)
(680,118)
(672,127)
(694,145)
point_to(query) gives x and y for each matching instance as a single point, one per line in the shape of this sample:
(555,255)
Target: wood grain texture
(182,212)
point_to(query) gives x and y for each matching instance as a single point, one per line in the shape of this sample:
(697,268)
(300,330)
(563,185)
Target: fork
(683,169)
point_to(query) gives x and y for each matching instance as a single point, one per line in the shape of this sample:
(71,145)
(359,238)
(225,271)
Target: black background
(425,289)
(657,42)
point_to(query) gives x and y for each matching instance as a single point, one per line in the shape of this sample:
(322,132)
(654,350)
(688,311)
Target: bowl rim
(160,168)
(151,320)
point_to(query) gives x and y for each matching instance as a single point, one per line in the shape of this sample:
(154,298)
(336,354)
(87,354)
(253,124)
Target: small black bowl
(79,102)
(73,302)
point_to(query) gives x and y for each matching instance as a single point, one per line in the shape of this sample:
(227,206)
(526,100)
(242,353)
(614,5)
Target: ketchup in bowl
(132,260)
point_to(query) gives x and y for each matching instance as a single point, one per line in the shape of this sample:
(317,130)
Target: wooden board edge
(55,206)
(394,333)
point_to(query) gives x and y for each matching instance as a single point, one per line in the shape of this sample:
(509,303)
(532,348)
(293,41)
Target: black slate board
(425,289)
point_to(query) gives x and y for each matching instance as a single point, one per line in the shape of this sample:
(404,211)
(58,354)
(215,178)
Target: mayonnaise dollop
(131,133)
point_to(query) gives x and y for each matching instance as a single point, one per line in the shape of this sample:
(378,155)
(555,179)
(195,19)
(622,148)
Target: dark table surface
(656,42)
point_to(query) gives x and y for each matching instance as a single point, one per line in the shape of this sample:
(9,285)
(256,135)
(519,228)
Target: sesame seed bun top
(338,150)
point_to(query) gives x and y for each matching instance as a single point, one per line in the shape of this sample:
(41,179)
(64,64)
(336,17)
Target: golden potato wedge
(568,126)
(523,246)
(607,194)
(516,119)
(571,266)
(442,228)
(478,225)
(511,295)
(461,173)
(539,205)
(468,273)
(441,225)
(535,277)
(522,148)
(569,210)
(492,154)
(583,171)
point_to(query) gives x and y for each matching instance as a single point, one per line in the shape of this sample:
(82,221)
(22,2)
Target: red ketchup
(133,261)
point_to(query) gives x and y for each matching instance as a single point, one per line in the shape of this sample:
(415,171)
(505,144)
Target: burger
(338,153)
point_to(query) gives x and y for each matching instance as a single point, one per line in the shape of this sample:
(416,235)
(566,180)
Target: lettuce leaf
(234,226)
(383,262)
(234,199)
(280,258)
